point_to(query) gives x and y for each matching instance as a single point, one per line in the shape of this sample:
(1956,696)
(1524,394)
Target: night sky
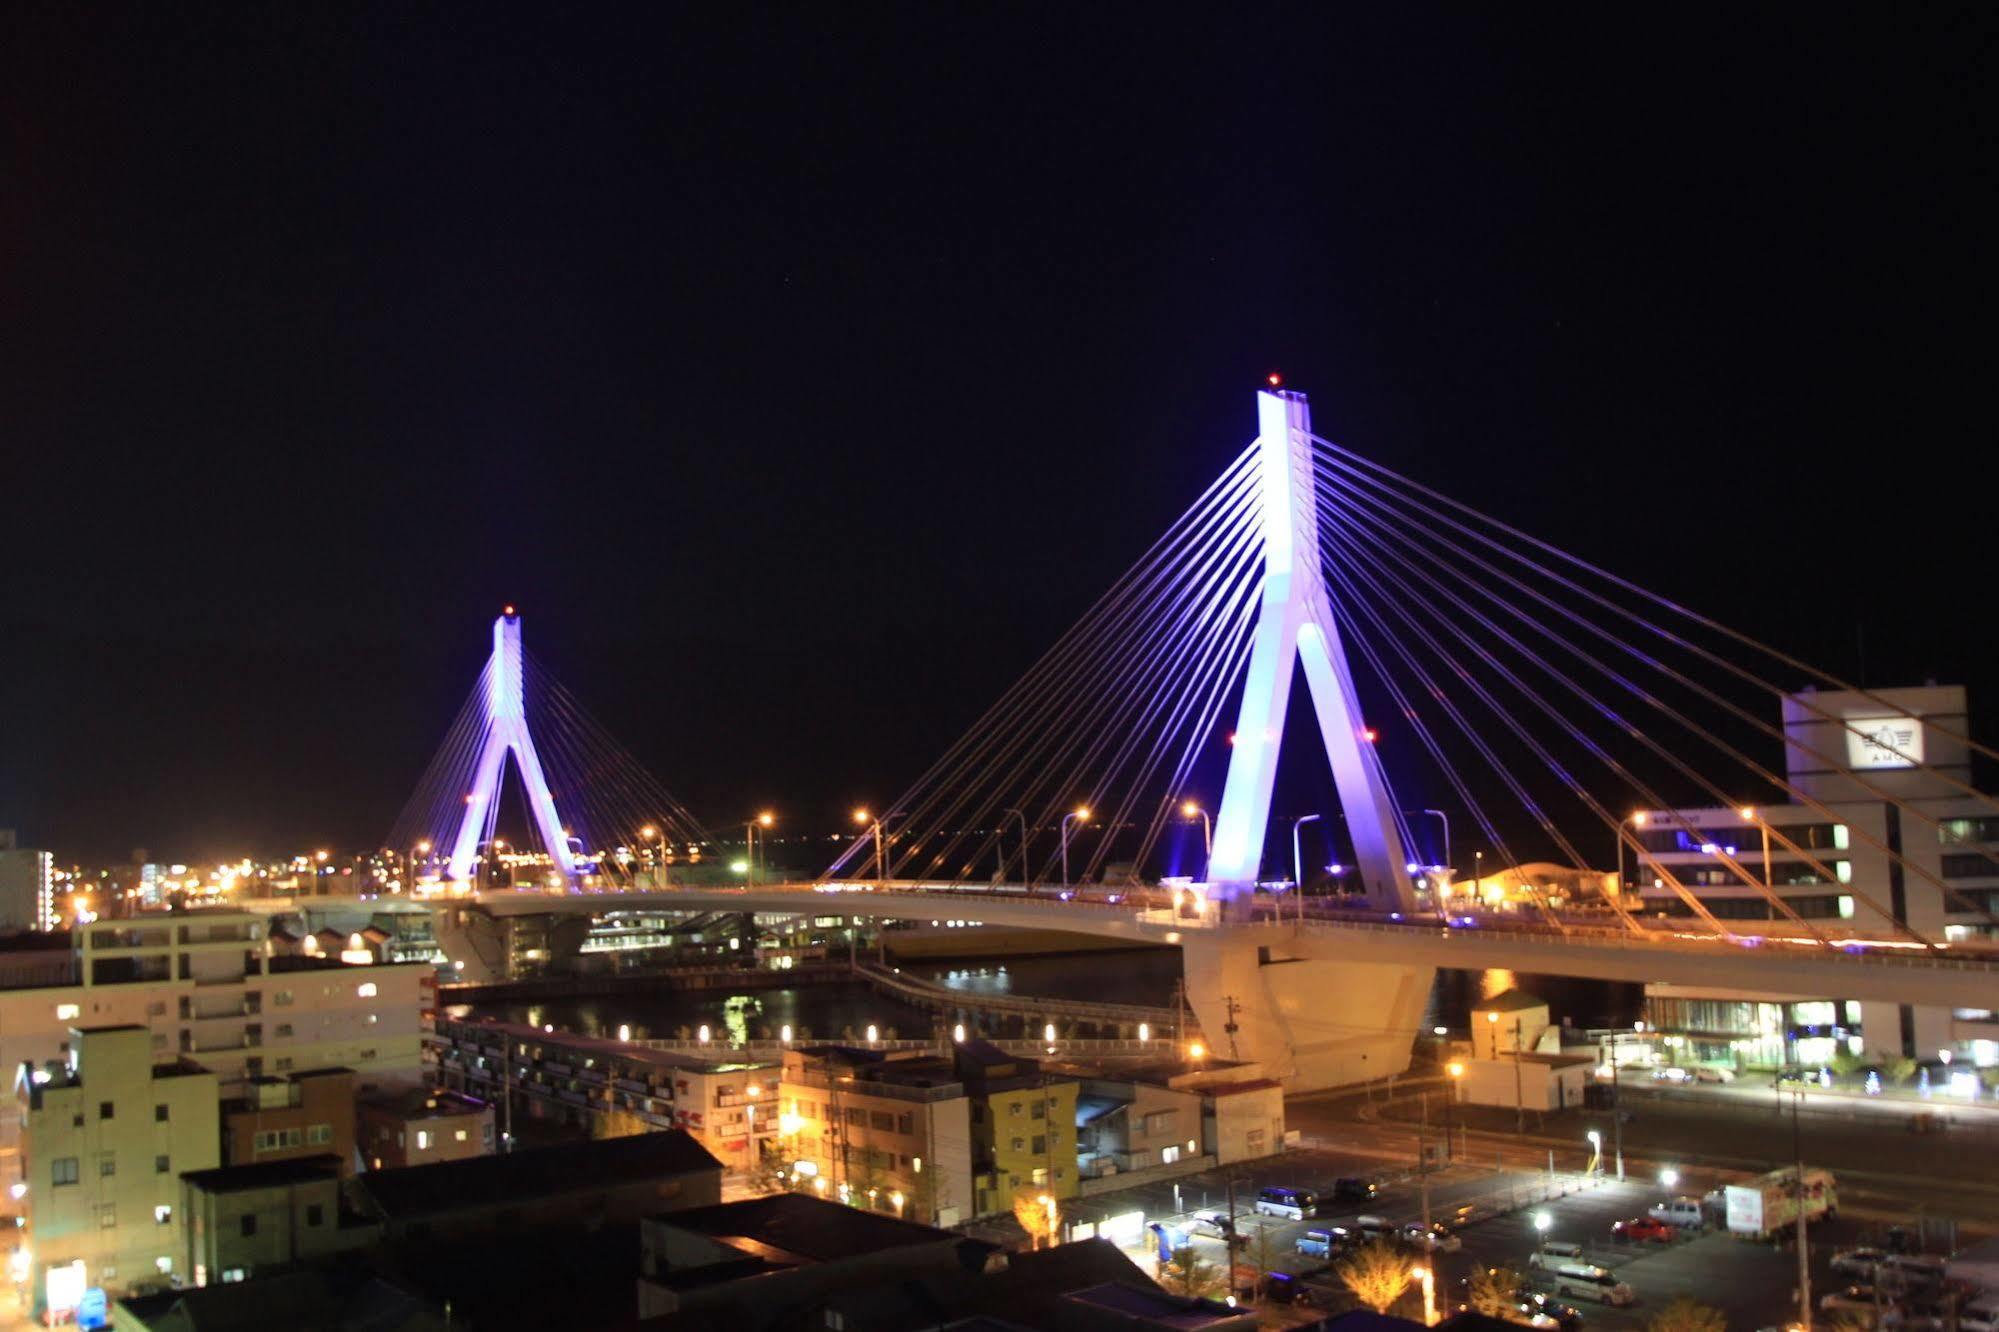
(802,373)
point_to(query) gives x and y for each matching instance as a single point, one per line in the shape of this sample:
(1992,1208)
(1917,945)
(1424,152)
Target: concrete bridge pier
(1311,1022)
(486,949)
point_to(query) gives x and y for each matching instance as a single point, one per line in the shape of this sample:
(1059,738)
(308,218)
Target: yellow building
(104,1141)
(1023,1128)
(890,1132)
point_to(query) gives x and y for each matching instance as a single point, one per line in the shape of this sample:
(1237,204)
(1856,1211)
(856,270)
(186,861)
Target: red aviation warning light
(1274,379)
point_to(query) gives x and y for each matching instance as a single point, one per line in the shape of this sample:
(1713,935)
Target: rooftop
(419,1103)
(1509,1001)
(487,1181)
(264,1174)
(302,1301)
(791,1229)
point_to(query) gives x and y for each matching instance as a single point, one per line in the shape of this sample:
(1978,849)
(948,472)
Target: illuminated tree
(1687,1315)
(1039,1216)
(1495,1291)
(1377,1275)
(1186,1274)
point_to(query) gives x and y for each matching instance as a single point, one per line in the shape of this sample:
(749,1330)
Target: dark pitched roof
(806,1227)
(264,1174)
(302,1301)
(486,1181)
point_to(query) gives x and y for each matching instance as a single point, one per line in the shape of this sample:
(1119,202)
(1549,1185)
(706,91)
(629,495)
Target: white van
(1981,1315)
(1553,1253)
(1587,1281)
(1683,1212)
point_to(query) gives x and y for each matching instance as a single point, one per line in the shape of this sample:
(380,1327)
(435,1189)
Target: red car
(1640,1228)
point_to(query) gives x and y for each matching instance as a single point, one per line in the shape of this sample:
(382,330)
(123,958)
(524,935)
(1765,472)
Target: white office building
(27,886)
(1929,863)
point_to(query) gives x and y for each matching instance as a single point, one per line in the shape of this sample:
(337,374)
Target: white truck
(1760,1207)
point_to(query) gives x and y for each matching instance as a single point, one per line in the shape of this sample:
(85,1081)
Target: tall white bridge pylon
(1295,623)
(507,733)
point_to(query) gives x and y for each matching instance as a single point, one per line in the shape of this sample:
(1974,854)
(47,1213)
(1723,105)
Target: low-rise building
(300,1115)
(607,1182)
(419,1127)
(307,1300)
(201,984)
(1023,1127)
(105,1138)
(244,1221)
(1125,1125)
(891,1132)
(615,1087)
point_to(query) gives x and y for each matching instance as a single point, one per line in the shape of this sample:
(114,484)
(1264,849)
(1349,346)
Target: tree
(1186,1274)
(1495,1292)
(1039,1216)
(1687,1315)
(1377,1275)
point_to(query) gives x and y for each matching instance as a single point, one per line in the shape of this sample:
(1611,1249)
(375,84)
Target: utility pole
(1804,1245)
(1423,1158)
(1519,1096)
(507,1095)
(1232,1007)
(1616,1108)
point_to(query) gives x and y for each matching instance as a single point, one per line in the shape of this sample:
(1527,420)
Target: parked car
(1853,1299)
(1373,1228)
(1566,1315)
(1555,1252)
(1714,1073)
(1325,1243)
(1685,1213)
(1220,1225)
(1351,1188)
(1859,1262)
(1643,1230)
(1526,1315)
(1292,1204)
(1671,1073)
(1435,1238)
(1587,1281)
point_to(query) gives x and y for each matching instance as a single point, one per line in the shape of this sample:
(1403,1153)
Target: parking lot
(1754,1283)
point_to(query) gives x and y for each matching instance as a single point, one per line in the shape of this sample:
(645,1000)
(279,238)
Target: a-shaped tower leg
(1295,623)
(507,731)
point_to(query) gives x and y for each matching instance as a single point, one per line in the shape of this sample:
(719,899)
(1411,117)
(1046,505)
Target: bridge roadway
(1953,977)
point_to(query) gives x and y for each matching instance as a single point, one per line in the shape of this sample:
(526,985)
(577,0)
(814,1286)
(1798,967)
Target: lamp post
(862,817)
(1804,1244)
(1748,813)
(1080,814)
(1297,856)
(1192,810)
(1637,820)
(422,849)
(764,821)
(1457,1071)
(1444,819)
(1023,846)
(647,834)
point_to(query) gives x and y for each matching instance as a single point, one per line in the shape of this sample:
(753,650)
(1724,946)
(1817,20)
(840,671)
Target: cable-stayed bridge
(1443,651)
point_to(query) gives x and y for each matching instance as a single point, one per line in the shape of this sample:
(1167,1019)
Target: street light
(1080,814)
(1297,859)
(1429,1280)
(862,817)
(1595,1152)
(1541,1222)
(1444,819)
(763,820)
(1457,1071)
(1023,846)
(1191,810)
(1669,1178)
(1748,813)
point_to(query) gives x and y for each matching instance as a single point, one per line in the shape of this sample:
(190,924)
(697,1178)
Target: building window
(881,1119)
(458,1135)
(160,1115)
(283,998)
(366,989)
(162,1166)
(1040,1175)
(163,1215)
(1019,1144)
(107,1215)
(1040,1148)
(423,1140)
(1039,1110)
(319,1135)
(904,1124)
(315,1214)
(157,1008)
(370,1020)
(106,1110)
(284,1031)
(107,1164)
(249,1226)
(68,1012)
(63,1170)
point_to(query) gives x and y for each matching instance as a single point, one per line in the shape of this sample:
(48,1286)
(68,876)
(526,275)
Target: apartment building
(887,1131)
(614,1086)
(105,1136)
(244,1221)
(202,984)
(300,1115)
(1023,1127)
(1882,841)
(419,1126)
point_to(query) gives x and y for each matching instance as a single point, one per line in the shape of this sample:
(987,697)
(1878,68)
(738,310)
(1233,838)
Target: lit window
(366,989)
(459,1135)
(422,1139)
(64,1012)
(164,1215)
